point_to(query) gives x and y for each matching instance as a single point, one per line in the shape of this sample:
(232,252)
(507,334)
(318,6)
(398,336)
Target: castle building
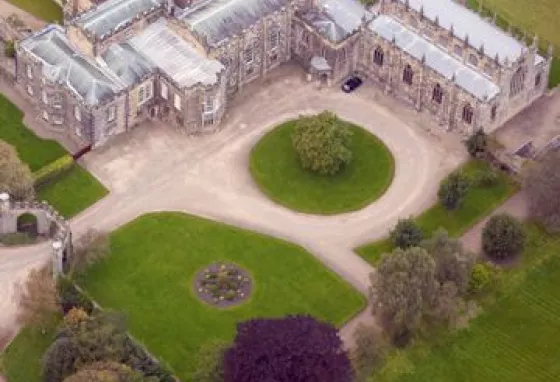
(117,63)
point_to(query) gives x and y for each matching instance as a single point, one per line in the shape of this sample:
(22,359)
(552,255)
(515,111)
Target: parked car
(351,84)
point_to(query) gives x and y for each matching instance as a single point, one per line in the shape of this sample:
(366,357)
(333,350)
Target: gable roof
(465,22)
(126,63)
(435,58)
(218,20)
(62,63)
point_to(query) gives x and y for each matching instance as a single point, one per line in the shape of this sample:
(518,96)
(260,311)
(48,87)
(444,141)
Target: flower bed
(223,285)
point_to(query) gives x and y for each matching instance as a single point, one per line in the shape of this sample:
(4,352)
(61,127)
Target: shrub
(75,316)
(477,143)
(211,362)
(369,351)
(482,275)
(406,234)
(486,178)
(10,49)
(53,170)
(322,143)
(453,190)
(17,238)
(503,237)
(70,297)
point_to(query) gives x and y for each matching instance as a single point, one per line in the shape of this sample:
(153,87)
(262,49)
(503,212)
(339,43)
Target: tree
(369,350)
(453,190)
(105,372)
(59,360)
(406,234)
(15,176)
(322,143)
(89,248)
(211,362)
(503,236)
(37,301)
(70,297)
(290,349)
(541,189)
(404,288)
(477,143)
(453,263)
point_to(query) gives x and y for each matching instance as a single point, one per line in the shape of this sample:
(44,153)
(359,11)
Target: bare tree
(541,187)
(15,176)
(90,248)
(37,300)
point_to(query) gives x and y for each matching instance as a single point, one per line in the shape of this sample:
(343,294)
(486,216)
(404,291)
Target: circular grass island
(276,169)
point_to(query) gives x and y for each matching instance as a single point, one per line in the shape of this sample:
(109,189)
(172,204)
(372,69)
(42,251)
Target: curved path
(158,169)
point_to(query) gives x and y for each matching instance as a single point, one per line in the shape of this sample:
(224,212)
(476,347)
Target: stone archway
(27,223)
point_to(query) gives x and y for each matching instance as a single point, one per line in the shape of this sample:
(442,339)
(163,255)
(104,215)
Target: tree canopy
(503,236)
(289,349)
(322,143)
(453,190)
(406,234)
(541,188)
(15,176)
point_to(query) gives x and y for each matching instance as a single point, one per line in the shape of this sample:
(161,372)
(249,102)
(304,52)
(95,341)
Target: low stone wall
(49,222)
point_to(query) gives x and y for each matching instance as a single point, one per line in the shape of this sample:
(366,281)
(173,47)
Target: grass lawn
(479,203)
(276,169)
(150,272)
(73,192)
(46,10)
(536,17)
(22,358)
(33,150)
(516,339)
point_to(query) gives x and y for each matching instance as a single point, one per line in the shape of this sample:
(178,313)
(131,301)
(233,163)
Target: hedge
(53,170)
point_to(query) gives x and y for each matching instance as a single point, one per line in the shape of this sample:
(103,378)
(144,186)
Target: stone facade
(307,31)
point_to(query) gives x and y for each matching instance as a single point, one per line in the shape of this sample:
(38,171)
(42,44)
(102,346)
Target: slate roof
(63,64)
(164,49)
(110,15)
(468,23)
(436,58)
(126,63)
(337,19)
(218,20)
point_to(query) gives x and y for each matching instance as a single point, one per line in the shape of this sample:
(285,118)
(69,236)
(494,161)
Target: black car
(351,84)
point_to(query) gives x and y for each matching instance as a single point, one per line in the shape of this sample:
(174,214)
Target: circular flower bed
(223,285)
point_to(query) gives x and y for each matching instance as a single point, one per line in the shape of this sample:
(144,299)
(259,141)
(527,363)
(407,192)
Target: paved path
(155,168)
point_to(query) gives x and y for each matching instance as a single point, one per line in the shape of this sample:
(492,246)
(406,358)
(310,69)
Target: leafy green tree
(541,189)
(406,234)
(477,144)
(404,288)
(483,275)
(322,143)
(211,362)
(453,190)
(15,176)
(503,236)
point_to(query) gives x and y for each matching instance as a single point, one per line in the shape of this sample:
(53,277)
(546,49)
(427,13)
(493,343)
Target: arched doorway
(27,223)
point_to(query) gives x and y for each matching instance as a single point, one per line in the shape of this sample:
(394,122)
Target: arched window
(468,113)
(473,60)
(342,55)
(378,56)
(437,94)
(408,74)
(517,82)
(538,79)
(494,112)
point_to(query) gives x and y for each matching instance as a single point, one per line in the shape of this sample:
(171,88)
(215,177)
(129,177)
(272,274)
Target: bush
(211,362)
(503,237)
(453,190)
(486,178)
(406,234)
(482,276)
(17,238)
(369,351)
(477,143)
(70,297)
(53,170)
(322,143)
(10,49)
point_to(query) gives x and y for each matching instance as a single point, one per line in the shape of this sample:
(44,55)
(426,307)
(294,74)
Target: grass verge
(46,10)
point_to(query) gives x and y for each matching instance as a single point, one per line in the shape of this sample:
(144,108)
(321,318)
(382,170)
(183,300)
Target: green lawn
(72,192)
(46,10)
(479,203)
(536,17)
(150,272)
(22,358)
(277,171)
(516,339)
(33,150)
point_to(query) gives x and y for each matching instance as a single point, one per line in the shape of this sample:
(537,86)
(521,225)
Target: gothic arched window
(437,94)
(408,74)
(493,112)
(378,56)
(517,82)
(468,113)
(342,55)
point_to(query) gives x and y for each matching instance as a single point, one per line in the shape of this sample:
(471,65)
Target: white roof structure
(110,15)
(166,50)
(465,22)
(61,63)
(435,58)
(126,63)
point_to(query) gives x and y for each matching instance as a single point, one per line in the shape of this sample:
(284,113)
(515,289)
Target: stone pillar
(58,250)
(4,202)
